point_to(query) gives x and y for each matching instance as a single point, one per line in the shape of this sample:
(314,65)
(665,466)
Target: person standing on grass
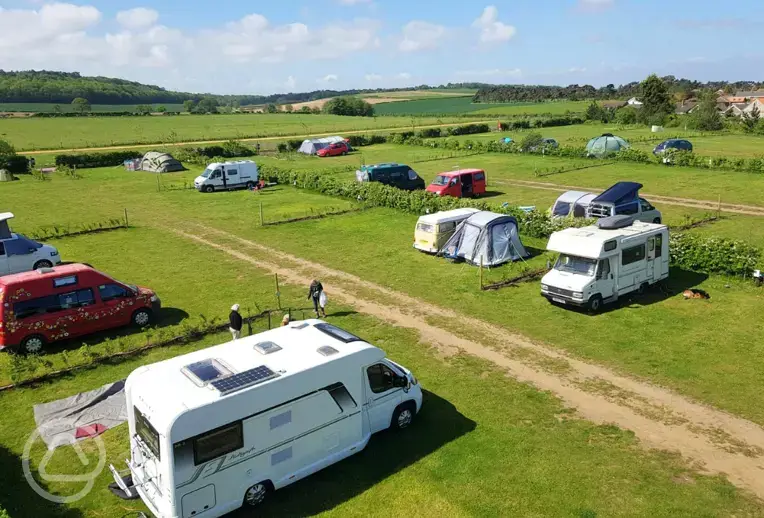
(235,322)
(316,289)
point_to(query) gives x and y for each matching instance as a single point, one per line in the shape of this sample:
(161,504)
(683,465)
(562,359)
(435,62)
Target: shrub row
(546,122)
(689,251)
(87,160)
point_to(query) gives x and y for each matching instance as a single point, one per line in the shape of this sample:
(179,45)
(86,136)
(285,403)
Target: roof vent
(267,347)
(299,325)
(205,371)
(615,222)
(327,350)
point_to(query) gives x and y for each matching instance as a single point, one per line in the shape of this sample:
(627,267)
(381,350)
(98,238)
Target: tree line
(679,89)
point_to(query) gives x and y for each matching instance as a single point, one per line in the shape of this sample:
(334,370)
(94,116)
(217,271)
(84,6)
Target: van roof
(448,215)
(5,216)
(588,241)
(170,392)
(46,273)
(460,172)
(383,166)
(237,162)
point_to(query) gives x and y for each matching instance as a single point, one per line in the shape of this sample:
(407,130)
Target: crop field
(464,105)
(530,409)
(62,133)
(67,108)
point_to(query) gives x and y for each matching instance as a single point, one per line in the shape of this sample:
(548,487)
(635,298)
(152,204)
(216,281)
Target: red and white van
(52,304)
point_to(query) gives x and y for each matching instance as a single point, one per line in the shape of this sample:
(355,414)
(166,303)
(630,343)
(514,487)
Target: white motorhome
(600,263)
(218,429)
(227,176)
(21,254)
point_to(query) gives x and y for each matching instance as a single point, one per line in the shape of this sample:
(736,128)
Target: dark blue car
(678,144)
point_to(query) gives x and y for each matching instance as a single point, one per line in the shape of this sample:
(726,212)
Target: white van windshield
(207,172)
(578,265)
(561,209)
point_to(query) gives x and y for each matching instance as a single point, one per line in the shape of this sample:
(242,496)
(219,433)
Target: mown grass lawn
(483,445)
(61,133)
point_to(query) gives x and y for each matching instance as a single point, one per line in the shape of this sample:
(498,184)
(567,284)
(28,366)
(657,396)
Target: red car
(336,149)
(52,304)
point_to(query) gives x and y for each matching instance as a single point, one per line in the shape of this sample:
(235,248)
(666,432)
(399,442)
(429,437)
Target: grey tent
(486,237)
(311,146)
(156,162)
(604,145)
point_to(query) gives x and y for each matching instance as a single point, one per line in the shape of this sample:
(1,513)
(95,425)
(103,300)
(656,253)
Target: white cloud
(138,18)
(595,5)
(404,75)
(418,36)
(491,29)
(329,78)
(290,83)
(372,77)
(354,2)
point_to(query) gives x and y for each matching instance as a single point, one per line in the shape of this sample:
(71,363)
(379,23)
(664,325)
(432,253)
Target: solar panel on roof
(243,380)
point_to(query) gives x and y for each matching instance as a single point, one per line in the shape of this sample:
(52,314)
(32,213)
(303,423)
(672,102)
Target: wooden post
(278,293)
(261,214)
(127,223)
(269,320)
(719,208)
(481,273)
(159,188)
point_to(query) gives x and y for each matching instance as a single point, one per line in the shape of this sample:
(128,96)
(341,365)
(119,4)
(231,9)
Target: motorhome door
(605,278)
(650,273)
(381,395)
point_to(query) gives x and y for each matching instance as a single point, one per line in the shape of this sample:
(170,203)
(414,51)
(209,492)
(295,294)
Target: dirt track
(751,210)
(718,442)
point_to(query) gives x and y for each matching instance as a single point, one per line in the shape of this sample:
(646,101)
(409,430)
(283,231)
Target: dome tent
(604,145)
(156,162)
(6,176)
(486,237)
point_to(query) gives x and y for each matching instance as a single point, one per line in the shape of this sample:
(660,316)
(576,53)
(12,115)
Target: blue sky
(237,46)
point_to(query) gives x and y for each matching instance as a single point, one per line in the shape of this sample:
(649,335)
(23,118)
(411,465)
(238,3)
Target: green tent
(604,145)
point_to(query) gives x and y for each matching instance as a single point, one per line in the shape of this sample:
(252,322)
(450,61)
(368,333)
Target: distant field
(67,108)
(456,105)
(423,94)
(65,133)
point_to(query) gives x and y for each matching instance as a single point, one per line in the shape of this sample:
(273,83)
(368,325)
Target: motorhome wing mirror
(400,382)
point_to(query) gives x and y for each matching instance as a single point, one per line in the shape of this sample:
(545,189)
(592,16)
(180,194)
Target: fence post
(261,214)
(269,320)
(278,293)
(719,207)
(127,223)
(159,188)
(481,273)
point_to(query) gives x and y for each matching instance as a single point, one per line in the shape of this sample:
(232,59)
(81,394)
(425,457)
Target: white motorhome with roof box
(227,175)
(218,429)
(600,263)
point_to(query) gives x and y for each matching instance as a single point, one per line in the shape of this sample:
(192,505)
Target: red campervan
(459,184)
(53,304)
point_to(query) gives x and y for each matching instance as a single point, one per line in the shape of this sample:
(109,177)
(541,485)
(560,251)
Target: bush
(87,160)
(634,155)
(468,129)
(713,254)
(531,141)
(282,147)
(15,163)
(294,144)
(366,140)
(4,513)
(348,106)
(430,133)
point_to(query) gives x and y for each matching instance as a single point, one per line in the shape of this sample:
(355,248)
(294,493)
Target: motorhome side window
(633,254)
(218,442)
(232,172)
(610,246)
(380,378)
(147,433)
(603,271)
(659,245)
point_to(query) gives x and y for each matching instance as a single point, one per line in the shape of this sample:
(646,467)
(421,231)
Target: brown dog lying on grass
(695,294)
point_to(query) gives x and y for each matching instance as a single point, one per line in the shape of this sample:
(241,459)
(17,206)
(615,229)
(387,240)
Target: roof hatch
(205,371)
(267,347)
(327,350)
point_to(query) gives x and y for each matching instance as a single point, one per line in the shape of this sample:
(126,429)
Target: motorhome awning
(619,193)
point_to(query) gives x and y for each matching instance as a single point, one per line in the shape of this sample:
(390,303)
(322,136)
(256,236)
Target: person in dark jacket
(315,294)
(235,322)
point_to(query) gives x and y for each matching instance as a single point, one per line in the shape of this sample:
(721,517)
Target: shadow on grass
(387,453)
(19,499)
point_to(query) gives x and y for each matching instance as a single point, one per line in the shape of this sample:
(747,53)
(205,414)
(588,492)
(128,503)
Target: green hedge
(713,254)
(87,160)
(15,164)
(468,129)
(4,513)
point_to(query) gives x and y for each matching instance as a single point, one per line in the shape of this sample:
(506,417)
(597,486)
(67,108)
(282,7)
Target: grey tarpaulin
(58,421)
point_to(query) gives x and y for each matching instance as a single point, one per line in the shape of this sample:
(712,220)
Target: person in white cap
(235,322)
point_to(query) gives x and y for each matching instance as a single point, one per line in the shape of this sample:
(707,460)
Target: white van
(600,263)
(228,175)
(218,429)
(21,254)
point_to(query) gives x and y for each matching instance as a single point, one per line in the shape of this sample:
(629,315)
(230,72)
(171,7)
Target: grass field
(483,445)
(67,108)
(30,134)
(464,105)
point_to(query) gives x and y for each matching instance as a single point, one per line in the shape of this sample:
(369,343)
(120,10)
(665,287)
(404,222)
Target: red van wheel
(142,317)
(32,344)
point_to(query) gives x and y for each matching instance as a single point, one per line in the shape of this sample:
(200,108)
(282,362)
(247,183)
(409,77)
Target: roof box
(615,222)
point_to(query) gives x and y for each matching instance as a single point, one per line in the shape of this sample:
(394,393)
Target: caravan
(227,176)
(599,264)
(220,428)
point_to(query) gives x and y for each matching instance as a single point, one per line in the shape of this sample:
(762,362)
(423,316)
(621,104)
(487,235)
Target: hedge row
(15,164)
(4,513)
(548,122)
(688,251)
(87,160)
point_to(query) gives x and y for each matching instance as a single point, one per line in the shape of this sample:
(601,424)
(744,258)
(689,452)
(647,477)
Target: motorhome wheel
(642,288)
(32,344)
(657,221)
(403,416)
(595,304)
(256,494)
(42,264)
(209,188)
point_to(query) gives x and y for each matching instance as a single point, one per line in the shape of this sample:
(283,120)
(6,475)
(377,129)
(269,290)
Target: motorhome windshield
(578,265)
(440,180)
(207,172)
(147,433)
